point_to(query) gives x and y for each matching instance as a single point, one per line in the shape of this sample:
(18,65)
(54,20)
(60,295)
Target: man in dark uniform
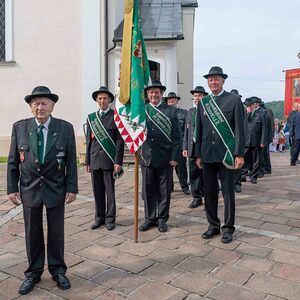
(219,150)
(104,158)
(181,169)
(258,138)
(290,120)
(42,171)
(157,157)
(196,174)
(238,173)
(296,132)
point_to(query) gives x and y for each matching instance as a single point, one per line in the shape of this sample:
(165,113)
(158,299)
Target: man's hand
(70,197)
(262,145)
(88,168)
(185,153)
(15,198)
(173,163)
(199,163)
(117,168)
(239,162)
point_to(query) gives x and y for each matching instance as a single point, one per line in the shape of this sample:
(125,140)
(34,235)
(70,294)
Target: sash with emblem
(103,138)
(219,122)
(161,121)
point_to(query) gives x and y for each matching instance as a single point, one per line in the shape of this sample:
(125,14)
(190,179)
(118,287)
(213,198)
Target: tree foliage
(277,108)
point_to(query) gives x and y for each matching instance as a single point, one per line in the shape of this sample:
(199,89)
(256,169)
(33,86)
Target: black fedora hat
(256,99)
(41,91)
(155,84)
(249,101)
(171,95)
(216,71)
(234,91)
(198,89)
(103,89)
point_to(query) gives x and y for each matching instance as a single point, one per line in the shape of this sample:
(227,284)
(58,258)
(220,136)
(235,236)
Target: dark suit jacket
(45,183)
(188,142)
(258,128)
(181,118)
(209,145)
(157,150)
(290,121)
(96,157)
(296,126)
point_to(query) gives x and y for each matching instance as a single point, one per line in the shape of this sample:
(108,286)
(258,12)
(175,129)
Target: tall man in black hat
(104,158)
(181,169)
(42,171)
(196,174)
(157,157)
(219,150)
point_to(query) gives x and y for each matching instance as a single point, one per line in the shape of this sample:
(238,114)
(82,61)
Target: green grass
(3,159)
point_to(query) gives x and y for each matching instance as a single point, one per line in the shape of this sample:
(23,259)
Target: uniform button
(42,177)
(38,169)
(152,129)
(152,140)
(213,131)
(36,161)
(212,142)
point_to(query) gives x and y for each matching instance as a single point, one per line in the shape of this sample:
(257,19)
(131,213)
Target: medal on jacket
(59,158)
(22,156)
(92,135)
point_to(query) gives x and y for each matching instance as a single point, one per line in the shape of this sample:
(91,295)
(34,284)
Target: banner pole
(136,197)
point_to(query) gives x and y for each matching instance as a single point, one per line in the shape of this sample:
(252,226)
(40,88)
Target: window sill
(7,63)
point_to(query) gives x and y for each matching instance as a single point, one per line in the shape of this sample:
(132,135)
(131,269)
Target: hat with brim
(199,89)
(103,89)
(170,96)
(249,101)
(236,92)
(155,84)
(41,91)
(256,99)
(214,71)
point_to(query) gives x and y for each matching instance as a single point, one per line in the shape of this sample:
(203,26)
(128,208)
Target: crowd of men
(220,138)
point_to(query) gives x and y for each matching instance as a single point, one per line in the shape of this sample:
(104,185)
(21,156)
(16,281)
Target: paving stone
(276,227)
(129,284)
(194,297)
(17,270)
(72,260)
(146,236)
(111,295)
(229,246)
(197,265)
(248,222)
(285,245)
(254,238)
(81,289)
(273,298)
(79,221)
(246,248)
(9,259)
(39,294)
(274,286)
(72,229)
(128,262)
(110,277)
(15,228)
(286,271)
(224,256)
(9,288)
(167,243)
(97,252)
(149,292)
(161,272)
(139,249)
(14,246)
(232,275)
(254,263)
(169,257)
(285,257)
(88,269)
(194,249)
(227,291)
(76,246)
(110,241)
(275,219)
(89,235)
(195,283)
(3,276)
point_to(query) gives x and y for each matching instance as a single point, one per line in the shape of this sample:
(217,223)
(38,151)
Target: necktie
(194,118)
(102,114)
(40,139)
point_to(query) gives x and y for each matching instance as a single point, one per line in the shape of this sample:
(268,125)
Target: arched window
(154,70)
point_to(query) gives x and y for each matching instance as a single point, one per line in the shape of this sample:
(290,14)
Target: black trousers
(35,245)
(267,167)
(292,146)
(196,180)
(157,193)
(181,171)
(296,150)
(248,162)
(211,171)
(256,162)
(104,193)
(238,177)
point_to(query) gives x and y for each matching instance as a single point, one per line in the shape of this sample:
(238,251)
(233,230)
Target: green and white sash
(103,138)
(219,122)
(161,121)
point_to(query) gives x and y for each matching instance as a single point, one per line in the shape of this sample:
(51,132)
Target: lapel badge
(22,156)
(55,134)
(30,133)
(204,113)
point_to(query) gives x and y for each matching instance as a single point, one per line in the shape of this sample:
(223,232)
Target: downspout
(107,50)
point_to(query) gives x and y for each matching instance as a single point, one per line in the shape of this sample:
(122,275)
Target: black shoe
(62,281)
(268,172)
(186,192)
(28,285)
(162,227)
(253,180)
(243,179)
(195,203)
(261,175)
(146,225)
(96,225)
(293,164)
(208,234)
(226,238)
(110,226)
(237,188)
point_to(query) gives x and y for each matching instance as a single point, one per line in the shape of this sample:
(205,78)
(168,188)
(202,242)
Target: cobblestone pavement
(263,261)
